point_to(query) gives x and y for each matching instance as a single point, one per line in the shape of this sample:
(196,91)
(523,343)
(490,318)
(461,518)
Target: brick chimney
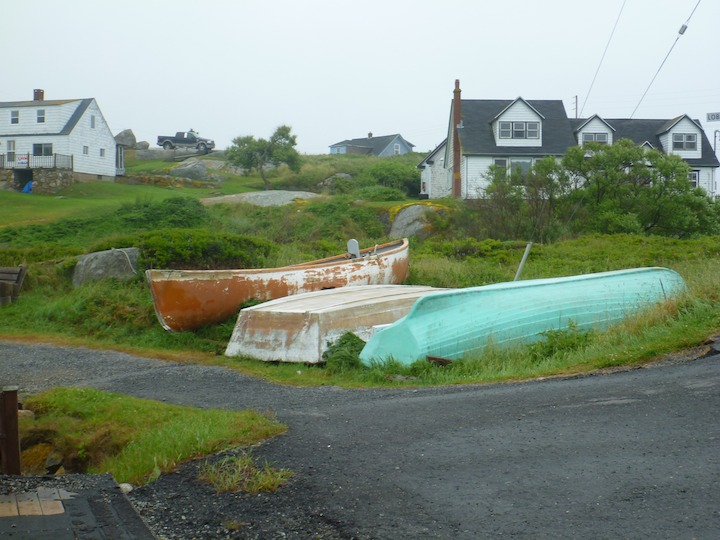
(38,94)
(457,150)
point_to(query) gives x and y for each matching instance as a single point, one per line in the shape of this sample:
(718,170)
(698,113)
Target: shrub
(393,174)
(344,355)
(202,249)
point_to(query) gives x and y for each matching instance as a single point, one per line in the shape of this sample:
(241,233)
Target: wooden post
(9,440)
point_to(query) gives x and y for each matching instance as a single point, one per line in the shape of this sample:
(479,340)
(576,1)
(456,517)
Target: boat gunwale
(378,251)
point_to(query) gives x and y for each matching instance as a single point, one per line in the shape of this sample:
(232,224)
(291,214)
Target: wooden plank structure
(43,501)
(11,280)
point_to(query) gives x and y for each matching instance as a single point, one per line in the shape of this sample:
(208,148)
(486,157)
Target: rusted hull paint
(189,299)
(300,328)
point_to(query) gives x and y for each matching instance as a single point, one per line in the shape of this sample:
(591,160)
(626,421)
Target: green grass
(243,473)
(134,439)
(121,316)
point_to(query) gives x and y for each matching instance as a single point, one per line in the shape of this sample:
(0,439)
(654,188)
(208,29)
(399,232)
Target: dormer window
(684,141)
(600,138)
(519,130)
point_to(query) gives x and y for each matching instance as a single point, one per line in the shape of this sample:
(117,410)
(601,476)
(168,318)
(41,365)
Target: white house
(41,135)
(514,134)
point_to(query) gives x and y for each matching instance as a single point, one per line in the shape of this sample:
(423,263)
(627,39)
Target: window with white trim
(102,152)
(11,150)
(501,166)
(86,150)
(397,149)
(520,165)
(42,149)
(600,138)
(519,130)
(14,117)
(694,177)
(41,116)
(684,141)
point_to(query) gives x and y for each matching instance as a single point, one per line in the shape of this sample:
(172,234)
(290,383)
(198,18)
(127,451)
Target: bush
(202,249)
(393,174)
(344,355)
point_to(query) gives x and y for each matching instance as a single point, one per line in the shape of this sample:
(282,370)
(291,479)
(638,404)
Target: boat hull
(190,299)
(464,321)
(300,328)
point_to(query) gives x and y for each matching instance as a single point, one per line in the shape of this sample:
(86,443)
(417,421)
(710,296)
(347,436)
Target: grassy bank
(133,439)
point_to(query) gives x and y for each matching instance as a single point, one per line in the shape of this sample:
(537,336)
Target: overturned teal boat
(453,323)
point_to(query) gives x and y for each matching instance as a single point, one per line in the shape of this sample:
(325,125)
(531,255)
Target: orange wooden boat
(189,299)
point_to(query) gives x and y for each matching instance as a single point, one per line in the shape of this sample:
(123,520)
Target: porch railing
(15,160)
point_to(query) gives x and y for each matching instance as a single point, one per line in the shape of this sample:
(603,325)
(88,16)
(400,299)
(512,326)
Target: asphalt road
(634,454)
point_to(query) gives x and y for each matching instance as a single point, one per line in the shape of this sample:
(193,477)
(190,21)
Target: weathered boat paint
(301,327)
(189,299)
(454,323)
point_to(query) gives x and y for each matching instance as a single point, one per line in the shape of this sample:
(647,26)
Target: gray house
(515,134)
(383,146)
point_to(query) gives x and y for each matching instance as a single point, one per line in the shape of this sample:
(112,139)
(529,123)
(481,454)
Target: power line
(602,58)
(680,33)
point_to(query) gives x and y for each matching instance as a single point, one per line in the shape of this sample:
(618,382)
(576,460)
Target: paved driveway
(634,454)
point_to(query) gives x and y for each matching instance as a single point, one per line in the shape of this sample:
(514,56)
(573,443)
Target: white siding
(706,180)
(435,179)
(518,112)
(56,116)
(475,180)
(683,126)
(95,139)
(595,126)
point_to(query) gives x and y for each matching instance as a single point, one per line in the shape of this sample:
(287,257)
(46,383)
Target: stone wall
(45,181)
(50,181)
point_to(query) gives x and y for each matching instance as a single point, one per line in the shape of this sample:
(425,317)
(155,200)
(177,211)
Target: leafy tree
(624,188)
(259,154)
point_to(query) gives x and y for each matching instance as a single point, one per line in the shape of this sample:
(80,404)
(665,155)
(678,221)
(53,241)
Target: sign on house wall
(713,117)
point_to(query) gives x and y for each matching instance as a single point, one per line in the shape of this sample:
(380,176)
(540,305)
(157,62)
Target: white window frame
(102,152)
(45,149)
(397,149)
(519,130)
(14,117)
(595,137)
(40,116)
(11,150)
(684,141)
(694,177)
(86,150)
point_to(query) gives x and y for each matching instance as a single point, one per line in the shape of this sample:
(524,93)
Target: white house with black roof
(62,135)
(514,134)
(382,146)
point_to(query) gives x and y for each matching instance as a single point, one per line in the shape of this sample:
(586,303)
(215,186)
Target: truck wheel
(167,145)
(203,148)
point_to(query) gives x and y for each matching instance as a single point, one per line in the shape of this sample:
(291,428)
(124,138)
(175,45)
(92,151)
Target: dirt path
(631,455)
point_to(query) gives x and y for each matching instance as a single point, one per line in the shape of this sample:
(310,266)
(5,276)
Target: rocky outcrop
(412,221)
(126,138)
(190,168)
(113,263)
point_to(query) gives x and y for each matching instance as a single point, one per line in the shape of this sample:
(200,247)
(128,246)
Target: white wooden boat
(301,327)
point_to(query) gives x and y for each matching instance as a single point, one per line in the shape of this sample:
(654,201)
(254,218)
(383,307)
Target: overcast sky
(336,70)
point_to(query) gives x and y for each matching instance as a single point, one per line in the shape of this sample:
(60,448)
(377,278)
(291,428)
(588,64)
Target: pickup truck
(186,139)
